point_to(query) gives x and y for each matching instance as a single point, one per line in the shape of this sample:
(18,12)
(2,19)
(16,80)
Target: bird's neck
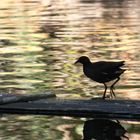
(86,64)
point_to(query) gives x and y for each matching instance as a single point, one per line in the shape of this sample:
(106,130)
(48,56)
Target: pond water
(39,42)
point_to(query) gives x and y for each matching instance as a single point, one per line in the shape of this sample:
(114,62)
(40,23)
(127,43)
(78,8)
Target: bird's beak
(76,62)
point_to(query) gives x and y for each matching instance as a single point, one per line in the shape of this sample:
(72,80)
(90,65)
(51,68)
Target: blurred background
(39,42)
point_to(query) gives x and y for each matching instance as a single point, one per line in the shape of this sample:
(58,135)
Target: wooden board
(98,108)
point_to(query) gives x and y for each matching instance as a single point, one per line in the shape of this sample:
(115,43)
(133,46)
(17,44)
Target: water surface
(41,39)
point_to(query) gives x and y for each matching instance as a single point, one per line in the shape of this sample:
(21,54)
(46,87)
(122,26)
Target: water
(39,42)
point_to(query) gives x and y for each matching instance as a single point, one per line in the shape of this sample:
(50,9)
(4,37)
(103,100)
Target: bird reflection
(103,129)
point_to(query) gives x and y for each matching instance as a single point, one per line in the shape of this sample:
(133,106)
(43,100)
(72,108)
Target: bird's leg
(112,87)
(105,90)
(112,94)
(125,137)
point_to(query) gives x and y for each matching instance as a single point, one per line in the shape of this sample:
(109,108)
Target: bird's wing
(107,67)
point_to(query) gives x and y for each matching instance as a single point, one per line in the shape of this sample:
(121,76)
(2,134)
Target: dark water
(39,42)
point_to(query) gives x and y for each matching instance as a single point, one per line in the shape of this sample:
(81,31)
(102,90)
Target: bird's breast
(89,73)
(95,75)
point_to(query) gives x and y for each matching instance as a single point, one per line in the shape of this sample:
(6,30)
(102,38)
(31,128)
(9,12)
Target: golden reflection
(23,49)
(82,28)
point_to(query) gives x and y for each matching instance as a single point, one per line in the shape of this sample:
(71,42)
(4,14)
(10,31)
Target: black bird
(102,72)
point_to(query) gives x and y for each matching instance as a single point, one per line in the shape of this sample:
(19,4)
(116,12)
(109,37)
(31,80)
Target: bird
(102,72)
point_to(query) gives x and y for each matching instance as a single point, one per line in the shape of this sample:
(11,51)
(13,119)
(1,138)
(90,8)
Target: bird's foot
(106,97)
(97,98)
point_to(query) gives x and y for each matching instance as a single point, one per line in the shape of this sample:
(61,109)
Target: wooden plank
(98,108)
(14,98)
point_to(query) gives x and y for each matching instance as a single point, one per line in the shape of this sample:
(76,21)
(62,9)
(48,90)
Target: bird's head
(83,60)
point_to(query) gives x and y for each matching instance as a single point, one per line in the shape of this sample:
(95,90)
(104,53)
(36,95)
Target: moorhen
(102,72)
